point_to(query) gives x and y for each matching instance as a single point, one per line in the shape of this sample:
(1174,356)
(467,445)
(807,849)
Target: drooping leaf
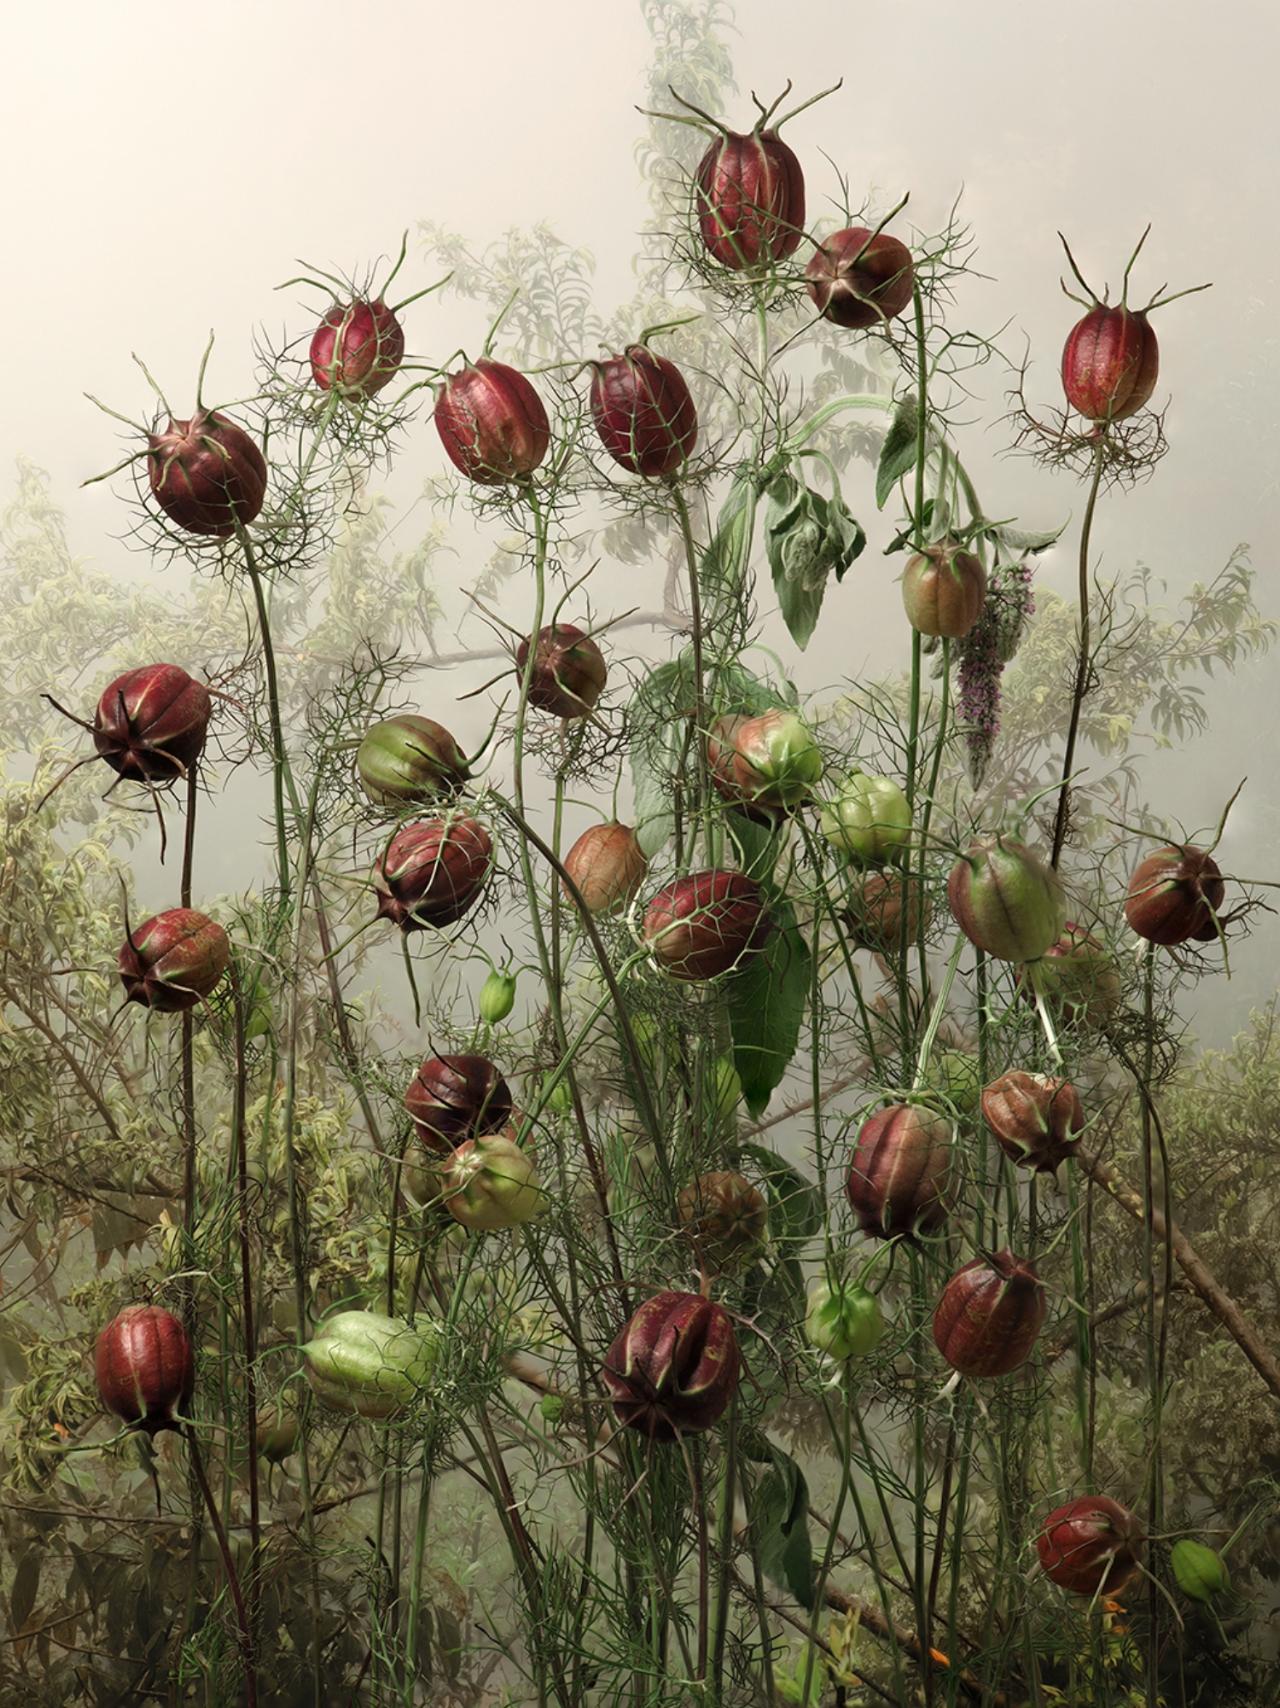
(807,538)
(655,753)
(767,1001)
(1018,543)
(898,453)
(779,1513)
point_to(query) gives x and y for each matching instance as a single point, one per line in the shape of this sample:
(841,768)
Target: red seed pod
(674,1368)
(608,866)
(207,474)
(174,960)
(900,1172)
(356,349)
(873,910)
(702,925)
(989,1315)
(492,423)
(569,671)
(943,590)
(1090,1546)
(1037,1120)
(1110,363)
(764,765)
(643,412)
(724,1218)
(1174,895)
(859,279)
(151,723)
(1077,978)
(1005,899)
(455,1098)
(750,196)
(432,872)
(145,1368)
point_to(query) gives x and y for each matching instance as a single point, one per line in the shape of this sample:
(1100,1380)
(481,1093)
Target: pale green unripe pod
(363,1362)
(844,1322)
(869,819)
(1200,1573)
(497,997)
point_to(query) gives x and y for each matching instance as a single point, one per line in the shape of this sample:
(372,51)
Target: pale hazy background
(166,166)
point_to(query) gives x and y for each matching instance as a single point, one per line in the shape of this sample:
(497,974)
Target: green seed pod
(956,1074)
(869,819)
(409,758)
(490,1183)
(552,1408)
(1006,900)
(363,1362)
(497,997)
(844,1322)
(1200,1573)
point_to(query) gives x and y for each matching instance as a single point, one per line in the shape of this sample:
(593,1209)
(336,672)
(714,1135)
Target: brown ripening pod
(455,1098)
(1005,899)
(1037,1120)
(151,723)
(673,1369)
(569,671)
(643,412)
(944,589)
(145,1368)
(432,872)
(873,907)
(356,349)
(206,474)
(1110,363)
(989,1315)
(900,1172)
(607,865)
(174,960)
(1090,1546)
(860,278)
(1077,978)
(750,199)
(1174,895)
(706,923)
(492,423)
(724,1218)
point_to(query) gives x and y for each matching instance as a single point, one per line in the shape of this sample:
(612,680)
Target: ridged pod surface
(989,1315)
(750,199)
(569,671)
(1037,1120)
(858,278)
(943,591)
(900,1171)
(409,758)
(492,423)
(1005,899)
(643,412)
(432,872)
(1090,1546)
(724,1217)
(704,924)
(145,1368)
(673,1369)
(1174,895)
(173,960)
(206,474)
(455,1098)
(608,866)
(356,349)
(1110,363)
(151,723)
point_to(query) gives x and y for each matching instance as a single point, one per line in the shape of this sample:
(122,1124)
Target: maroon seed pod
(569,671)
(207,474)
(1077,978)
(643,412)
(943,591)
(1037,1121)
(859,279)
(174,960)
(674,1368)
(1110,363)
(750,197)
(1090,1546)
(900,1172)
(151,723)
(356,349)
(1006,900)
(145,1368)
(456,1098)
(706,923)
(724,1218)
(1174,895)
(873,910)
(989,1315)
(432,872)
(492,423)
(608,866)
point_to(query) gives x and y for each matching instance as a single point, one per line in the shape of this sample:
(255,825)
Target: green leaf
(658,704)
(795,1204)
(807,536)
(723,560)
(767,1001)
(1020,544)
(898,453)
(779,1512)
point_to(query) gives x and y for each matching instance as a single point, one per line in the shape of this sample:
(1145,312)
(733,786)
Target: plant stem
(1082,657)
(244,1633)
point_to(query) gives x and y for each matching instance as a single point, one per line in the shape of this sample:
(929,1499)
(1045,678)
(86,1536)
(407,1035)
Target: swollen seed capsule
(497,997)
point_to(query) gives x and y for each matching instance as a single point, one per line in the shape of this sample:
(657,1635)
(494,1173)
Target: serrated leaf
(898,453)
(779,1512)
(767,1000)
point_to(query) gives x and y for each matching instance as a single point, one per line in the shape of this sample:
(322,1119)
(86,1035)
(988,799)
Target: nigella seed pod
(151,723)
(607,865)
(873,907)
(1077,978)
(455,1098)
(869,820)
(497,997)
(1037,1120)
(724,1218)
(707,923)
(432,872)
(569,671)
(491,1183)
(859,278)
(1174,895)
(844,1321)
(673,1369)
(492,423)
(368,1364)
(356,349)
(943,590)
(767,765)
(1110,363)
(1005,899)
(207,474)
(900,1172)
(989,1315)
(174,960)
(1198,1571)
(409,758)
(750,199)
(1090,1546)
(643,412)
(145,1368)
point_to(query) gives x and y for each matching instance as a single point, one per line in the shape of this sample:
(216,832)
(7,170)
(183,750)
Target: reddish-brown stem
(244,1634)
(241,1164)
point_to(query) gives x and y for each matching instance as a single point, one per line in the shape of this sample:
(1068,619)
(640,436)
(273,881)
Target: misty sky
(166,166)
